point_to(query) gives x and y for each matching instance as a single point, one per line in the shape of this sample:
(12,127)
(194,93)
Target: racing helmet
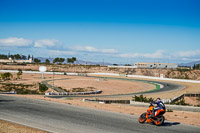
(158,99)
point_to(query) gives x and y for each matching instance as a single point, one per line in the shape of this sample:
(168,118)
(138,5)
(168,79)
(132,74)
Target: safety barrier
(191,95)
(9,92)
(74,93)
(108,101)
(180,97)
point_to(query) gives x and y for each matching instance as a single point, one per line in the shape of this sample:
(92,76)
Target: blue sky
(116,31)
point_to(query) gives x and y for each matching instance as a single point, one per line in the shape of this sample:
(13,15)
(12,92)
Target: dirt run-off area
(110,87)
(10,127)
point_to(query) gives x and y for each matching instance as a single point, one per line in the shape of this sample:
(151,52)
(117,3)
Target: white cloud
(59,52)
(46,43)
(15,42)
(192,53)
(92,49)
(157,54)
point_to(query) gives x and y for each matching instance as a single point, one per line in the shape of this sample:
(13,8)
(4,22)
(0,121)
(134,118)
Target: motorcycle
(157,120)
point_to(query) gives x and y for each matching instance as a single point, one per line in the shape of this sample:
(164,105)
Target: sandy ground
(108,87)
(9,127)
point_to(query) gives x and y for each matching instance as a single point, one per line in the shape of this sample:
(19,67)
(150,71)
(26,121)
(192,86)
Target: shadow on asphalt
(6,101)
(170,123)
(166,124)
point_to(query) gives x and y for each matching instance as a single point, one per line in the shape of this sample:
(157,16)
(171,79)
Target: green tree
(42,87)
(47,61)
(19,73)
(71,60)
(36,60)
(198,66)
(23,57)
(58,60)
(17,56)
(12,56)
(2,56)
(61,60)
(55,60)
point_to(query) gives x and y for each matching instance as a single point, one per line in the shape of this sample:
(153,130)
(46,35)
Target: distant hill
(43,59)
(190,63)
(77,62)
(92,63)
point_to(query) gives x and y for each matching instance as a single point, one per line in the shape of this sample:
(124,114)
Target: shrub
(169,110)
(180,102)
(78,89)
(42,87)
(198,98)
(68,98)
(19,88)
(141,98)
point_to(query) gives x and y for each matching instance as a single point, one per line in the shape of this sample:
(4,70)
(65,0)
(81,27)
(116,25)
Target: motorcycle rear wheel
(160,121)
(142,118)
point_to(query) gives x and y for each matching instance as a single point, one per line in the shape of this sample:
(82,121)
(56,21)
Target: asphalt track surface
(166,88)
(64,118)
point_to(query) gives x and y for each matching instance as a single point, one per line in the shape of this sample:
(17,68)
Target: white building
(155,65)
(10,60)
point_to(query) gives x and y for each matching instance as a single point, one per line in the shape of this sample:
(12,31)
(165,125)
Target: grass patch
(68,98)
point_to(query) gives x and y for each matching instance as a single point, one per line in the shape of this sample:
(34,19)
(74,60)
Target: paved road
(62,118)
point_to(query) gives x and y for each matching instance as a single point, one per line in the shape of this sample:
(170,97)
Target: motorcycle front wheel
(142,118)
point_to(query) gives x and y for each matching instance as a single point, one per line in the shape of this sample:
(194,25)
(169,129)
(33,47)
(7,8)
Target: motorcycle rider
(160,105)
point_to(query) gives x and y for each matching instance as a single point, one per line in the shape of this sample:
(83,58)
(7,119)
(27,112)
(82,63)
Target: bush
(19,88)
(68,98)
(141,98)
(180,102)
(169,110)
(78,89)
(42,87)
(198,98)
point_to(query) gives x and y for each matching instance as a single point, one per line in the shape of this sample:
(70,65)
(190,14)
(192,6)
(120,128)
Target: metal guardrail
(180,97)
(191,95)
(9,92)
(109,101)
(74,93)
